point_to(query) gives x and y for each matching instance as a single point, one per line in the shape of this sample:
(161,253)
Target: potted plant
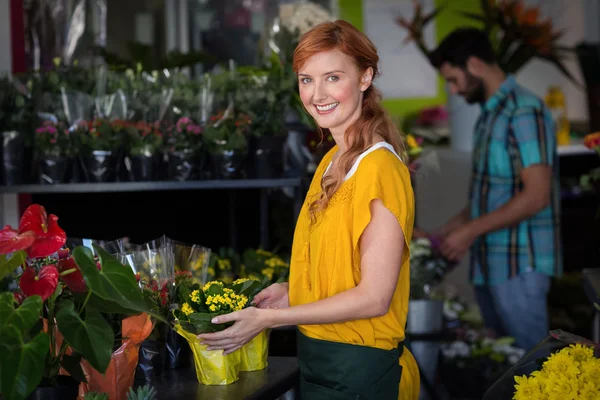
(184,146)
(227,143)
(145,141)
(98,143)
(52,314)
(53,147)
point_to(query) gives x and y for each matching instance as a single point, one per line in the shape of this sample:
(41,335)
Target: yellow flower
(562,364)
(186,309)
(264,253)
(254,277)
(275,262)
(224,264)
(209,284)
(527,388)
(579,353)
(211,271)
(241,280)
(411,141)
(565,388)
(268,272)
(212,308)
(590,369)
(195,296)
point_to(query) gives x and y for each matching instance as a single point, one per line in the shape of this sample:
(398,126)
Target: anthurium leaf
(92,337)
(72,364)
(111,307)
(114,282)
(7,307)
(21,364)
(7,267)
(25,316)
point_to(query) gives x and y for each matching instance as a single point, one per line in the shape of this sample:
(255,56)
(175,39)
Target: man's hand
(456,245)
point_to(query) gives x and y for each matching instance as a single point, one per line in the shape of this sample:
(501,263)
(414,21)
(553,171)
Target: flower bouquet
(53,308)
(562,366)
(199,305)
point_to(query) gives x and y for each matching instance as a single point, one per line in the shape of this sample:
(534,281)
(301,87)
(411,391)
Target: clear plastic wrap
(72,30)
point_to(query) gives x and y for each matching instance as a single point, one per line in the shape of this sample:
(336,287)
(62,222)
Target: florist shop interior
(156,155)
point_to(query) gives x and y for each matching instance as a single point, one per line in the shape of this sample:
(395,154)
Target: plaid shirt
(514,131)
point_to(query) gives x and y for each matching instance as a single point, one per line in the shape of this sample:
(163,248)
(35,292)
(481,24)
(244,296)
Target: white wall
(537,75)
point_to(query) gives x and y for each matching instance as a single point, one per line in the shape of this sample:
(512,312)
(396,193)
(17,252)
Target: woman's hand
(275,296)
(249,322)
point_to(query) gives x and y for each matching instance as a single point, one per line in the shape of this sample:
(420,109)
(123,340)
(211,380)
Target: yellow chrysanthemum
(562,364)
(590,370)
(579,353)
(187,309)
(195,296)
(527,388)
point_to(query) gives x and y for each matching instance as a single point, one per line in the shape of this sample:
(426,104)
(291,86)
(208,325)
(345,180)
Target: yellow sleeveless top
(326,256)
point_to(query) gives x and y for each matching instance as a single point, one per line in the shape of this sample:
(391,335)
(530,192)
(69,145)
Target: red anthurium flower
(49,236)
(43,283)
(73,279)
(19,297)
(11,240)
(64,253)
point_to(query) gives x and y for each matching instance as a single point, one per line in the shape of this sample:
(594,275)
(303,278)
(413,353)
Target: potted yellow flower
(197,307)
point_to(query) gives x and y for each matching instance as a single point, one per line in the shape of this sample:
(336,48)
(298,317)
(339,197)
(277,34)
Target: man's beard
(475,92)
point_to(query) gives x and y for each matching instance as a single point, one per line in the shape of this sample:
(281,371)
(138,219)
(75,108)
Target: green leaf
(72,364)
(249,289)
(25,316)
(92,337)
(114,283)
(21,364)
(7,267)
(201,323)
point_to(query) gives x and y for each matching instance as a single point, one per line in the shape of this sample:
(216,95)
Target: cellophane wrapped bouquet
(198,306)
(562,366)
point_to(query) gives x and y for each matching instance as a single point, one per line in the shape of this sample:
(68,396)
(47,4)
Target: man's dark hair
(462,43)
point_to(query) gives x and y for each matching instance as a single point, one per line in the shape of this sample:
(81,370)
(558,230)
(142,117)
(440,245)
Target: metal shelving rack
(231,185)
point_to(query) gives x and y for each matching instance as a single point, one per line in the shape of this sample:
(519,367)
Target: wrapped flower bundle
(198,306)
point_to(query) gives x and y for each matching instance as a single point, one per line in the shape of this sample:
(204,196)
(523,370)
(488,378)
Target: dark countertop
(280,376)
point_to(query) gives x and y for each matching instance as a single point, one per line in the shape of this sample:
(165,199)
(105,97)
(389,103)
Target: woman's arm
(381,248)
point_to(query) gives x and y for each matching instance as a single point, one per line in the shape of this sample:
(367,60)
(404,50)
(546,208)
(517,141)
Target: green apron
(341,371)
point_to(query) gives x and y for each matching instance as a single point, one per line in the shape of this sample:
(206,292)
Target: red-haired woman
(350,277)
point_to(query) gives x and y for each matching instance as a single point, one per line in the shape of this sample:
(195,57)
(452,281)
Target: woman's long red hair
(373,121)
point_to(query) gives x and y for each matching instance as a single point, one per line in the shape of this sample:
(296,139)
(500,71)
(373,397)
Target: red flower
(74,280)
(11,240)
(19,297)
(42,284)
(49,236)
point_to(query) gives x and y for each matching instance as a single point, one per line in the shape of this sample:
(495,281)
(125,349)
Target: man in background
(511,223)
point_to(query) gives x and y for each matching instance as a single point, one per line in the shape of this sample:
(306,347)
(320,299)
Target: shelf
(152,186)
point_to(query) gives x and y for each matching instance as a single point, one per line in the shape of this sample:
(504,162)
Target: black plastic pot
(142,167)
(182,165)
(265,159)
(13,157)
(228,164)
(67,389)
(52,168)
(100,166)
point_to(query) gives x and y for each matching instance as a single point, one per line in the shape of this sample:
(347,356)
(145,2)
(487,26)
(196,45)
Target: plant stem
(87,298)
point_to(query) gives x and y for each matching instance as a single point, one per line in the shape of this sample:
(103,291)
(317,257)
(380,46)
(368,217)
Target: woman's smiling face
(331,89)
